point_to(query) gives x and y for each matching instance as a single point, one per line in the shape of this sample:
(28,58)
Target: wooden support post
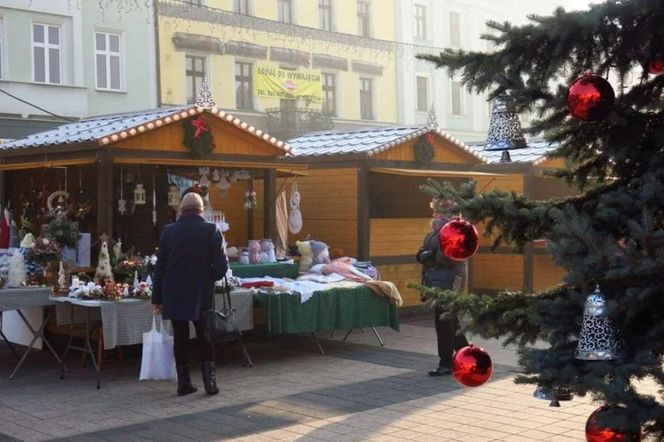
(104,193)
(363,221)
(270,204)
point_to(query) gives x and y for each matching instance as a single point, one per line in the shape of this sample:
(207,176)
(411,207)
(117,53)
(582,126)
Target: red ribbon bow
(199,124)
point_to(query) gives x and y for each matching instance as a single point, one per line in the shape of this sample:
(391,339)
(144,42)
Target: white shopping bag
(158,362)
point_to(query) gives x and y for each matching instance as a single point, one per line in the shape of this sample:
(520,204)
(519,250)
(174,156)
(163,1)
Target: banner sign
(270,81)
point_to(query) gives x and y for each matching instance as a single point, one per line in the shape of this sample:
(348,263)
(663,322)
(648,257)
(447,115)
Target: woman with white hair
(190,259)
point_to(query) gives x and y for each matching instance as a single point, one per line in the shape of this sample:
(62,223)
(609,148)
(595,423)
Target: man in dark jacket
(190,259)
(441,272)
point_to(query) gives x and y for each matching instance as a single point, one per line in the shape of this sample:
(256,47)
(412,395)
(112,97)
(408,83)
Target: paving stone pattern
(357,391)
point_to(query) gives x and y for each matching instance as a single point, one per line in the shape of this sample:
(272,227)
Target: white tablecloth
(125,321)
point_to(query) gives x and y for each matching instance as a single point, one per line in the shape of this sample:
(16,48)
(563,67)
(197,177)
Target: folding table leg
(347,334)
(9,344)
(320,347)
(378,336)
(36,334)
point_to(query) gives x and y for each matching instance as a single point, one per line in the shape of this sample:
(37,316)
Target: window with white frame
(195,74)
(46,53)
(285,11)
(420,15)
(329,106)
(455,29)
(458,99)
(244,85)
(364,18)
(243,7)
(366,99)
(325,14)
(108,61)
(422,84)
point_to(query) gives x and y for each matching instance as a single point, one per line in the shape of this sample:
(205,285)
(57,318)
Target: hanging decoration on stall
(57,202)
(204,180)
(122,203)
(250,201)
(173,196)
(140,196)
(82,203)
(154,200)
(198,137)
(424,151)
(295,216)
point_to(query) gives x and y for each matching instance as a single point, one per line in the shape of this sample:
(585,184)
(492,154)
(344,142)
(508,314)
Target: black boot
(209,377)
(184,381)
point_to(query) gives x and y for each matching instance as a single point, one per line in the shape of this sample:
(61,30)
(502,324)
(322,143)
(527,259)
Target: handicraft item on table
(17,274)
(103,272)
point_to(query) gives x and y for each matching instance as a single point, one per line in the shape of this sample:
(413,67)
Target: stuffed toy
(320,252)
(254,252)
(267,248)
(244,256)
(306,255)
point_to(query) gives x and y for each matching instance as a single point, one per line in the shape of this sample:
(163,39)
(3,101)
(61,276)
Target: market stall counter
(275,270)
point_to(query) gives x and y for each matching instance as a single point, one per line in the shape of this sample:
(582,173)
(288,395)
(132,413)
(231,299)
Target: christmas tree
(611,233)
(17,273)
(104,272)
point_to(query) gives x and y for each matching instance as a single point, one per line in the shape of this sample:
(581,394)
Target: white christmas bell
(598,340)
(204,181)
(173,196)
(140,197)
(216,175)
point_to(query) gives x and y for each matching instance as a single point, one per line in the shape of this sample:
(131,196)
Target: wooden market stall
(123,170)
(362,195)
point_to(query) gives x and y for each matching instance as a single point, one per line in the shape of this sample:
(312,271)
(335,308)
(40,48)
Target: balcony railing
(286,123)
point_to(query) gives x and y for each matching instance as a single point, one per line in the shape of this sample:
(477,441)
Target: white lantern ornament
(139,195)
(173,196)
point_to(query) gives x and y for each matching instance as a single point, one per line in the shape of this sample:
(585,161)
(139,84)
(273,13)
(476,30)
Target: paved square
(357,391)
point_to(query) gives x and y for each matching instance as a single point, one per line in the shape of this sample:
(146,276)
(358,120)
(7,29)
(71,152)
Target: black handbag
(218,324)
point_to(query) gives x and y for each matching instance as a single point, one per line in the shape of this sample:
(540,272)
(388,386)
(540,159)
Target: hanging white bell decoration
(204,181)
(598,340)
(140,197)
(216,175)
(173,196)
(224,184)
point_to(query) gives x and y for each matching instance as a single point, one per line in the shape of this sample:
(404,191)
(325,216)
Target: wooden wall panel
(546,274)
(445,152)
(402,275)
(397,236)
(328,205)
(228,139)
(493,271)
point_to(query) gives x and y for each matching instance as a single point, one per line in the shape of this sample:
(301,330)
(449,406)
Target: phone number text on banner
(274,82)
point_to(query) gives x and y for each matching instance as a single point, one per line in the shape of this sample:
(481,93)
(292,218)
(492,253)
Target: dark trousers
(448,339)
(181,342)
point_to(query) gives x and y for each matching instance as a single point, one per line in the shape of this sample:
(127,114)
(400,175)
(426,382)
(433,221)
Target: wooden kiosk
(362,195)
(104,162)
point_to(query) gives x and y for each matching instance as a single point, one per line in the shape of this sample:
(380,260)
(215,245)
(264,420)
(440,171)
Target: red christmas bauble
(598,433)
(458,240)
(472,366)
(656,66)
(590,98)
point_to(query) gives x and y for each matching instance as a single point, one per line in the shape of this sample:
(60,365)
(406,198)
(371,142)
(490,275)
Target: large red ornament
(597,433)
(590,98)
(458,239)
(472,366)
(656,66)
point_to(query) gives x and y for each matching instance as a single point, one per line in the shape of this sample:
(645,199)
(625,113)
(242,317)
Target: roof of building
(107,129)
(366,141)
(535,153)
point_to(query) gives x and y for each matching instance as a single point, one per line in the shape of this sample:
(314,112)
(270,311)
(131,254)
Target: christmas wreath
(423,150)
(198,137)
(63,231)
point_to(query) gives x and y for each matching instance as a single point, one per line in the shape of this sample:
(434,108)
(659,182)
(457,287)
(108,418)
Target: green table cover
(275,270)
(335,309)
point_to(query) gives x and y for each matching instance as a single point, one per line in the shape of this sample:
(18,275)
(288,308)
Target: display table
(329,310)
(275,270)
(124,322)
(23,298)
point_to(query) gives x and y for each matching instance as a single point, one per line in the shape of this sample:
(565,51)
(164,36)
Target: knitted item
(306,255)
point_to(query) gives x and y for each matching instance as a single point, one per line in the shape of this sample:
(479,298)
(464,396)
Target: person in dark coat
(444,273)
(190,259)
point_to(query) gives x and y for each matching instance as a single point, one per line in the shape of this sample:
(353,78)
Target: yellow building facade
(346,42)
